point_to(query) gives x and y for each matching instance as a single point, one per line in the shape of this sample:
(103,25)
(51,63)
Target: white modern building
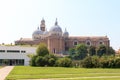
(15,55)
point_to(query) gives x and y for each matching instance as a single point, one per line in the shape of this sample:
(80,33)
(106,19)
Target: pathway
(5,71)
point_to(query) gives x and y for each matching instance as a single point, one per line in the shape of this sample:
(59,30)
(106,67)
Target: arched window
(88,43)
(75,42)
(100,42)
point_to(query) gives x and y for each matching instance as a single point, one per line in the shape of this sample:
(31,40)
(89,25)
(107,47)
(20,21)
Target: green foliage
(111,51)
(117,63)
(51,61)
(32,61)
(101,50)
(40,61)
(64,62)
(42,50)
(92,50)
(79,52)
(101,62)
(71,51)
(90,62)
(42,57)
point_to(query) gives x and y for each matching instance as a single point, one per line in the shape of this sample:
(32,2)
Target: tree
(42,50)
(32,61)
(102,50)
(72,51)
(111,51)
(39,61)
(81,51)
(92,50)
(42,57)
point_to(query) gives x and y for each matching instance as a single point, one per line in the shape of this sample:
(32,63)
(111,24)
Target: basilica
(59,41)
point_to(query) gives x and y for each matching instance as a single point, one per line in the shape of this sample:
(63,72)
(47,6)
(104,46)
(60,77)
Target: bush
(51,62)
(64,62)
(90,62)
(117,63)
(32,61)
(40,61)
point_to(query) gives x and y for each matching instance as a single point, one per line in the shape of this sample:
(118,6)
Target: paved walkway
(5,71)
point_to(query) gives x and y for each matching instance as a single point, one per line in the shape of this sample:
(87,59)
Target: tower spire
(56,23)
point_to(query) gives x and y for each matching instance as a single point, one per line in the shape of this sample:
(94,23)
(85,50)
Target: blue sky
(19,18)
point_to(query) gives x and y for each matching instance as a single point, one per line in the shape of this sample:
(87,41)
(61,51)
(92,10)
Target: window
(101,43)
(13,51)
(2,50)
(23,51)
(88,43)
(75,43)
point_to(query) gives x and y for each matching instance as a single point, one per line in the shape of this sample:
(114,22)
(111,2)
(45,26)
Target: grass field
(1,66)
(60,73)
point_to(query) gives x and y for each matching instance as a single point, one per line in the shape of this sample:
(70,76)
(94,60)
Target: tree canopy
(42,50)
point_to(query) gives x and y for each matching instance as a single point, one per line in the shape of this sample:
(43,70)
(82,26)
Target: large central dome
(56,29)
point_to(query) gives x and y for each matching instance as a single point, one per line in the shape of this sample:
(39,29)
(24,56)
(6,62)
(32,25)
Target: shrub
(64,62)
(90,62)
(32,61)
(117,63)
(39,61)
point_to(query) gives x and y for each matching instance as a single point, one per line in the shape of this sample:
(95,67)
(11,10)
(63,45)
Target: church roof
(25,39)
(89,37)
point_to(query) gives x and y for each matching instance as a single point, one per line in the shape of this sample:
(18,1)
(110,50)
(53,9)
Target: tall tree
(111,51)
(102,50)
(92,50)
(81,51)
(42,50)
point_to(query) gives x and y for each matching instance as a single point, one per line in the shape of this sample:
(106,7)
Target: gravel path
(5,71)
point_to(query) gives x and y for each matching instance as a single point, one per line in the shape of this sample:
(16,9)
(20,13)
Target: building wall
(59,44)
(17,55)
(56,44)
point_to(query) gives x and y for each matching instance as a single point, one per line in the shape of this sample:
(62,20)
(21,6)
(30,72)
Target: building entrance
(11,62)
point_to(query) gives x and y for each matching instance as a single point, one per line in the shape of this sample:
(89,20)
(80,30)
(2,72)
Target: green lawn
(60,73)
(1,66)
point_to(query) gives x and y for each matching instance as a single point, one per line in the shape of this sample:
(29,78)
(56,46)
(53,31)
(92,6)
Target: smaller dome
(46,32)
(37,34)
(65,34)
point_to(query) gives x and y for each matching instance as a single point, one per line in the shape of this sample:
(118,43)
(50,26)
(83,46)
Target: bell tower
(42,25)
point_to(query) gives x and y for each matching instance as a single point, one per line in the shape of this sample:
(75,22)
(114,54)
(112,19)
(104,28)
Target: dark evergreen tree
(92,50)
(102,50)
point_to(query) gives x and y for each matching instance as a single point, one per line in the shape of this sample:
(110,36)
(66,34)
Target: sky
(19,18)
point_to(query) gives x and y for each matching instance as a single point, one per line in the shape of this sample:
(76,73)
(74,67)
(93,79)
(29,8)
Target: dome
(65,34)
(46,32)
(56,29)
(37,34)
